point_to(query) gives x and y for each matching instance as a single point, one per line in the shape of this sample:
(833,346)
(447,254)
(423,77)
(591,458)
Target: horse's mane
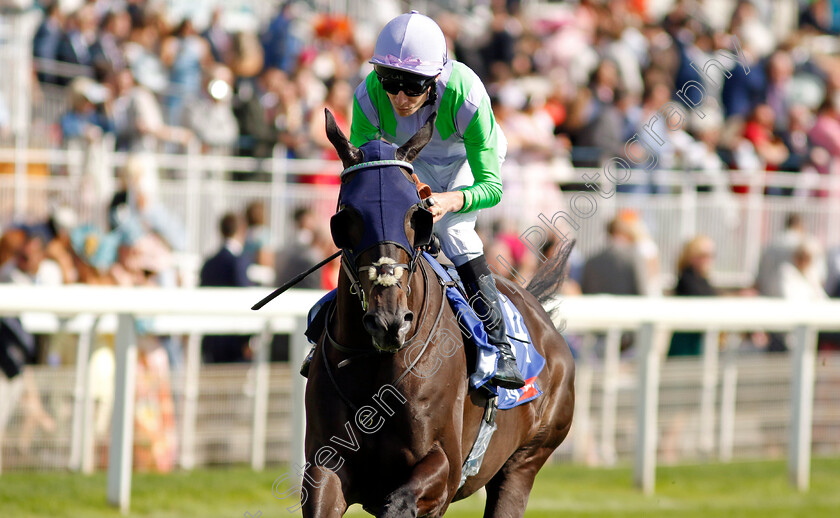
(549,278)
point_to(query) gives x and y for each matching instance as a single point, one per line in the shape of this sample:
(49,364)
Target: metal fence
(225,403)
(197,189)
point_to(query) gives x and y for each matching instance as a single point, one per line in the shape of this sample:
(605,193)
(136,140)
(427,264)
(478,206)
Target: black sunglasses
(412,84)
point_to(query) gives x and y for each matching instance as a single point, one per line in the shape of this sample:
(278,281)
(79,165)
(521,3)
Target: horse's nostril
(408,317)
(369,322)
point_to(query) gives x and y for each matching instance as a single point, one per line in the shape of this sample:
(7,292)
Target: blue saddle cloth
(529,361)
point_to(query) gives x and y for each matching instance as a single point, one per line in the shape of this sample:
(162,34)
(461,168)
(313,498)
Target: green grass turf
(742,490)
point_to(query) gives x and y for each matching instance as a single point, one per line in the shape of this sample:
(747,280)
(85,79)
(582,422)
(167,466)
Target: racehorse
(390,415)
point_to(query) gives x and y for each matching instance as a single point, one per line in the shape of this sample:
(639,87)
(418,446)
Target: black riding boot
(484,299)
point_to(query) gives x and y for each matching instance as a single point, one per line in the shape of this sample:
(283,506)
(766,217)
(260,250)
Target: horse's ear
(346,227)
(347,152)
(410,149)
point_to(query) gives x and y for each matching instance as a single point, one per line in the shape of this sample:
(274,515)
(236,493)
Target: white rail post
(650,340)
(729,385)
(260,418)
(802,406)
(708,394)
(298,346)
(191,372)
(81,393)
(120,454)
(279,166)
(194,195)
(609,400)
(21,179)
(582,423)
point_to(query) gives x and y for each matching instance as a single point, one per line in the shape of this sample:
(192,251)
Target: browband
(378,163)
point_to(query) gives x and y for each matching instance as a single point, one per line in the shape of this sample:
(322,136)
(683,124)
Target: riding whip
(299,277)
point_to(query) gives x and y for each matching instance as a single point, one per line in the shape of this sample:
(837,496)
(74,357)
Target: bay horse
(390,415)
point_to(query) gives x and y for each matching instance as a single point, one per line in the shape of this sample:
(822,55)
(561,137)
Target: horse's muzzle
(388,329)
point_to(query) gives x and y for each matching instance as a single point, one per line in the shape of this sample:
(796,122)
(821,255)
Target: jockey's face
(405,105)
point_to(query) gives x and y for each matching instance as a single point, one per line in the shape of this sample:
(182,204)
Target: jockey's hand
(444,202)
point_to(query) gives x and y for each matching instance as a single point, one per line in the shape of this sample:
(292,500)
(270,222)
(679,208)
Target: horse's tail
(550,276)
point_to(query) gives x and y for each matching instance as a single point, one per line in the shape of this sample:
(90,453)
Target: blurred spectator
(106,53)
(694,267)
(301,253)
(247,58)
(742,92)
(11,241)
(616,269)
(220,41)
(778,94)
(339,101)
(536,158)
(137,206)
(256,249)
(210,116)
(255,108)
(226,268)
(759,130)
(185,54)
(30,264)
(798,143)
(143,55)
(799,279)
(155,440)
(595,120)
(87,118)
(826,130)
(138,120)
(647,252)
(48,38)
(79,37)
(778,252)
(280,42)
(61,222)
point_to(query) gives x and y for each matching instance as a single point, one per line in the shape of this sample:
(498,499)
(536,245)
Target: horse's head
(379,227)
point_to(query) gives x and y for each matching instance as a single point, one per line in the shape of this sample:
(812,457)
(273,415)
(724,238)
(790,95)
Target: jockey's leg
(484,299)
(464,248)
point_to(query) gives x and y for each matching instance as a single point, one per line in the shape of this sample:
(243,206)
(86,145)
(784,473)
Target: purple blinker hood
(382,196)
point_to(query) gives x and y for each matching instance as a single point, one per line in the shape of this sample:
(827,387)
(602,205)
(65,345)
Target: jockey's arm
(481,142)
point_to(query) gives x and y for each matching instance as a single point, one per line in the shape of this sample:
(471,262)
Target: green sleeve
(480,140)
(361,129)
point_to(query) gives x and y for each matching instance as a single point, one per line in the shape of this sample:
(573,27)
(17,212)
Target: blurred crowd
(571,85)
(793,266)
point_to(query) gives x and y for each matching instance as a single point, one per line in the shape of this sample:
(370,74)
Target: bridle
(375,270)
(384,269)
(358,353)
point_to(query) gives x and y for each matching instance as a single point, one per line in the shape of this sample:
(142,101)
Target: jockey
(413,78)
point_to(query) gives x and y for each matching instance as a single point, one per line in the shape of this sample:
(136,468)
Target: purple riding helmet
(412,43)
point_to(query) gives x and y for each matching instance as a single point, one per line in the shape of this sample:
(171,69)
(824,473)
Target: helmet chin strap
(432,97)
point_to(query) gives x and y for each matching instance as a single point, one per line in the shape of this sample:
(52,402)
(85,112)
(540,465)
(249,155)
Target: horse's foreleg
(508,491)
(425,493)
(322,494)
